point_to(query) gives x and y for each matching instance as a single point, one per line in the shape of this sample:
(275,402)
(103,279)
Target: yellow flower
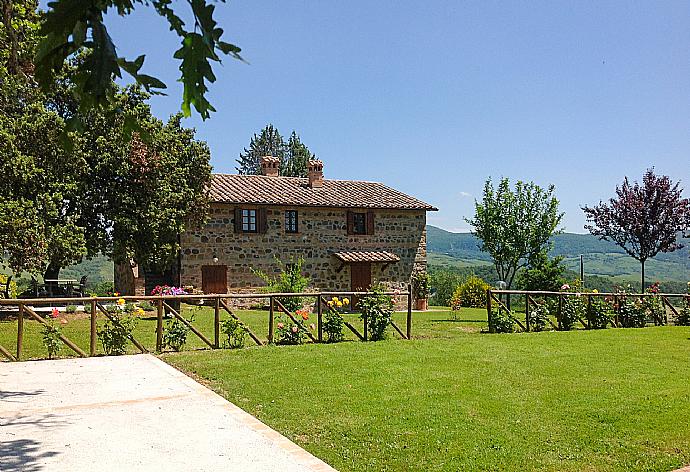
(335,300)
(121,301)
(595,291)
(346,301)
(330,302)
(338,303)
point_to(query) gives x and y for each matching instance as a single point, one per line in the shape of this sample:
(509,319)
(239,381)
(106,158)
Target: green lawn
(436,323)
(611,400)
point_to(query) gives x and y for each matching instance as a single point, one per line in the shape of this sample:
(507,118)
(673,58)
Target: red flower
(54,313)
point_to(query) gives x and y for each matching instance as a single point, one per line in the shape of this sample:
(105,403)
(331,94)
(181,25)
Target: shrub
(51,334)
(377,309)
(683,317)
(599,313)
(71,309)
(502,322)
(290,280)
(103,289)
(572,310)
(470,294)
(235,333)
(292,333)
(653,305)
(632,313)
(115,333)
(443,284)
(175,333)
(539,317)
(333,326)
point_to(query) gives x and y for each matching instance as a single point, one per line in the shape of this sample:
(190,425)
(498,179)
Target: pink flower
(565,287)
(54,313)
(280,325)
(295,329)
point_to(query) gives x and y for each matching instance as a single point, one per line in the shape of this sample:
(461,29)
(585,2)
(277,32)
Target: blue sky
(434,97)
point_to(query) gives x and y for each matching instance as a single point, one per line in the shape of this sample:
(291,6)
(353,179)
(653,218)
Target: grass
(610,400)
(436,323)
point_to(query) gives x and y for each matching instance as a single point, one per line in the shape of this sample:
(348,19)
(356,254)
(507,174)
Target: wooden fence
(493,298)
(26,309)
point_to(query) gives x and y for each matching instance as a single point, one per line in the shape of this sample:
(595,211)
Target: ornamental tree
(514,226)
(643,219)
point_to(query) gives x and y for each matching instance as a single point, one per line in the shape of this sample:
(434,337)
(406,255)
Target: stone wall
(322,231)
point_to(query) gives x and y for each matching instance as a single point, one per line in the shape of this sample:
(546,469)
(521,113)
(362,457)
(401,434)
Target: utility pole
(582,270)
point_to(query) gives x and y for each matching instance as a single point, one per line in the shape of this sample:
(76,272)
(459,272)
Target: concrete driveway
(130,413)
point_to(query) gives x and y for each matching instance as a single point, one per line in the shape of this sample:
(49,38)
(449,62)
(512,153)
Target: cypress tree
(268,143)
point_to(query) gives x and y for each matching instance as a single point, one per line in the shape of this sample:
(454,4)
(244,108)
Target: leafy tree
(515,225)
(643,219)
(71,25)
(294,155)
(542,273)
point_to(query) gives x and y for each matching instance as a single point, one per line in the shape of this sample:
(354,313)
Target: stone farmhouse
(350,233)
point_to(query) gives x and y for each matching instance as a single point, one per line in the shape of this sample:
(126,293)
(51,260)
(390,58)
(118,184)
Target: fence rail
(168,303)
(493,298)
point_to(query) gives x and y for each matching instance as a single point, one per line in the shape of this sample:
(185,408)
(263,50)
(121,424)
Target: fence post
(489,310)
(366,328)
(409,311)
(270,321)
(589,311)
(20,331)
(560,311)
(527,311)
(319,317)
(92,337)
(159,325)
(216,322)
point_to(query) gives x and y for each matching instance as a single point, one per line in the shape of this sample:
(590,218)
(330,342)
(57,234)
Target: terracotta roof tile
(366,256)
(295,191)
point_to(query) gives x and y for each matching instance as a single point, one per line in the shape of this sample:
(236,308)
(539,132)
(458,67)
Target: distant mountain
(600,257)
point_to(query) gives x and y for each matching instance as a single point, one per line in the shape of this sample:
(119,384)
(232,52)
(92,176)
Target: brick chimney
(270,165)
(315,173)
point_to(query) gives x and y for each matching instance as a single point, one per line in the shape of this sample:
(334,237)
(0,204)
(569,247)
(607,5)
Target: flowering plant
(167,290)
(337,303)
(51,333)
(290,332)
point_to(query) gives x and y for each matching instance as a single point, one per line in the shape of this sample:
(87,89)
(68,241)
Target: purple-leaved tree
(644,219)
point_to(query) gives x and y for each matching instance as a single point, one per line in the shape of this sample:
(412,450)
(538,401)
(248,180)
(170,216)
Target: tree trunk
(642,261)
(52,273)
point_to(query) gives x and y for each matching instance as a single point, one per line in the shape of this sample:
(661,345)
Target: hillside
(600,257)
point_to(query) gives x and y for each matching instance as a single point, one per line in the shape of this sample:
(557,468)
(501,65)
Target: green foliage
(421,285)
(71,26)
(13,285)
(683,317)
(71,309)
(333,326)
(539,317)
(294,155)
(514,226)
(542,273)
(572,310)
(235,333)
(632,313)
(114,334)
(290,280)
(501,322)
(443,284)
(175,333)
(470,294)
(599,313)
(50,334)
(377,309)
(103,289)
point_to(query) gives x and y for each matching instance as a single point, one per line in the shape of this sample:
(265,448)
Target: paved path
(130,413)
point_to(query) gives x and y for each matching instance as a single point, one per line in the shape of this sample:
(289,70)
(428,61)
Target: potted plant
(421,284)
